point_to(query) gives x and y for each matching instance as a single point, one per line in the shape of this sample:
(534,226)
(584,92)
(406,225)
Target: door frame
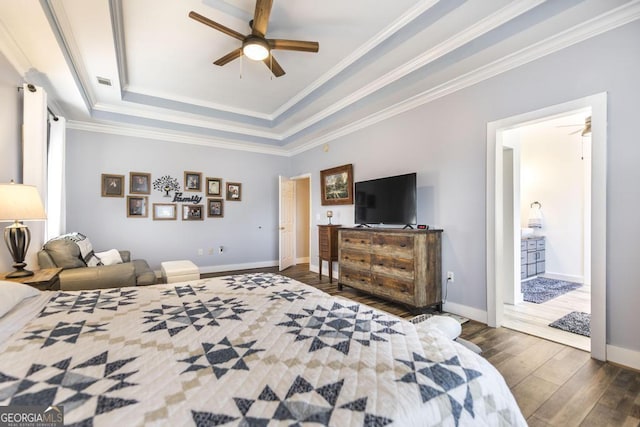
(497,235)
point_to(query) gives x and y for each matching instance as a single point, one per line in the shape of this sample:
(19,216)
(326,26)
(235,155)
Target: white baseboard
(623,356)
(565,277)
(302,260)
(465,311)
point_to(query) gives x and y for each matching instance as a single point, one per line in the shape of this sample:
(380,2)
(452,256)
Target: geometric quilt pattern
(338,325)
(247,350)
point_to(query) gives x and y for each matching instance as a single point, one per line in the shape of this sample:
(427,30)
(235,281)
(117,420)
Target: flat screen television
(391,200)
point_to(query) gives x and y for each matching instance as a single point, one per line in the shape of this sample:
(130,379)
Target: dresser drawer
(540,244)
(531,244)
(355,278)
(356,259)
(391,287)
(393,245)
(395,267)
(360,240)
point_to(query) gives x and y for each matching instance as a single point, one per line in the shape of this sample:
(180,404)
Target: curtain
(56,215)
(34,158)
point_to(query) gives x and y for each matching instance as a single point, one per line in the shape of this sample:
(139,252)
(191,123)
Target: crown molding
(598,25)
(383,35)
(482,27)
(12,52)
(177,137)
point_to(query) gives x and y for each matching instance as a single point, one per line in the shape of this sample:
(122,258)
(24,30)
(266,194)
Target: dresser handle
(404,245)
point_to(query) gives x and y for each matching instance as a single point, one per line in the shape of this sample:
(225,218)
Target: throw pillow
(109,257)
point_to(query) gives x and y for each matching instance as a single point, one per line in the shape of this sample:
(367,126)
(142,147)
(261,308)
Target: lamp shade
(20,202)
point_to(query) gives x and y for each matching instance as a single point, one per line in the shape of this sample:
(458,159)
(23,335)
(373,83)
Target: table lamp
(19,202)
(329,215)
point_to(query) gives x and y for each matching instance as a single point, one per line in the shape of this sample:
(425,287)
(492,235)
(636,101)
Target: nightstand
(328,247)
(45,280)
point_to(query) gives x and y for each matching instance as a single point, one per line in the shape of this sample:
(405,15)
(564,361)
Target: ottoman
(179,271)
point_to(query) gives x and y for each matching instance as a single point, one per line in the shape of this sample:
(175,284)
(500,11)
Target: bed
(251,350)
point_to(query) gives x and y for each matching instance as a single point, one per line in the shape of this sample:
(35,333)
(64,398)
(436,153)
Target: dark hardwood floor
(554,385)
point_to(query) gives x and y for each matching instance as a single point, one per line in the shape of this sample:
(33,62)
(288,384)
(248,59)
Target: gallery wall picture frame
(137,206)
(214,186)
(234,191)
(112,185)
(192,213)
(337,185)
(139,183)
(165,211)
(215,208)
(192,181)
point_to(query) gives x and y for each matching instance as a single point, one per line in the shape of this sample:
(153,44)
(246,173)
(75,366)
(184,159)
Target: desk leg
(330,262)
(320,271)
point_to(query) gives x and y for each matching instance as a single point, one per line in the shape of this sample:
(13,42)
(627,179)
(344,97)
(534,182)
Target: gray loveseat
(77,276)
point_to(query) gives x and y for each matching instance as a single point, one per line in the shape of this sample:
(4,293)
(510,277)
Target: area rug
(576,322)
(540,289)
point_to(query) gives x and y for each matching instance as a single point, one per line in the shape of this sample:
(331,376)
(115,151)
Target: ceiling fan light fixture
(255,48)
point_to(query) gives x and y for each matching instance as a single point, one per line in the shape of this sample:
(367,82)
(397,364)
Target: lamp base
(19,273)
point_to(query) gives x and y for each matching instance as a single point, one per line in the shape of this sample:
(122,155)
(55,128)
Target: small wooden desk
(328,247)
(45,280)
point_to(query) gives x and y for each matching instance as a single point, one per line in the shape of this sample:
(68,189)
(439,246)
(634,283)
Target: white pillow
(12,293)
(109,257)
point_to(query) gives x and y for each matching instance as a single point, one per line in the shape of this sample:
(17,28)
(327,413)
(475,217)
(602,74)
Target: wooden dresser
(328,247)
(399,265)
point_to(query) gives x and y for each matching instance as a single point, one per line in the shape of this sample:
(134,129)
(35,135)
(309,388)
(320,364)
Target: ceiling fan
(585,129)
(255,46)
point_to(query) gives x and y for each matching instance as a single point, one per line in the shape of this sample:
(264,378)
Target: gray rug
(576,322)
(540,289)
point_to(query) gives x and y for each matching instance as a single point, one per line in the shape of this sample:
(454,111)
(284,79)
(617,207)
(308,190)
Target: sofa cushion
(65,253)
(144,274)
(109,257)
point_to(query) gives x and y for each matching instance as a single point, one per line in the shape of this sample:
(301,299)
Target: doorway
(501,240)
(295,220)
(546,200)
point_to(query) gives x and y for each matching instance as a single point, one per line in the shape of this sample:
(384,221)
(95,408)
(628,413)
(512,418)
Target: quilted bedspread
(247,350)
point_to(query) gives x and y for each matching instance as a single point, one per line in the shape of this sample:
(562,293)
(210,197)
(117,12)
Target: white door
(286,217)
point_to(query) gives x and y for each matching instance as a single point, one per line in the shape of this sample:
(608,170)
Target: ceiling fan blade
(261,17)
(273,65)
(575,132)
(234,54)
(215,25)
(298,45)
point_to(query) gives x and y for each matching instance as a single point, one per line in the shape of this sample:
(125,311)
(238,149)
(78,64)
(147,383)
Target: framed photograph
(215,208)
(112,185)
(214,186)
(234,191)
(164,211)
(337,185)
(139,183)
(192,213)
(192,181)
(137,206)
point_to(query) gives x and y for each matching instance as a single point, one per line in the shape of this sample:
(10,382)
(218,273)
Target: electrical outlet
(200,252)
(450,277)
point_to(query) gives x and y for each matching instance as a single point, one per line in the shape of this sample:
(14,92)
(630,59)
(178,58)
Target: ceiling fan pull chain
(271,65)
(241,55)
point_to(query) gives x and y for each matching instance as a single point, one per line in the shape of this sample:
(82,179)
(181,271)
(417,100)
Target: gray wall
(248,230)
(10,138)
(445,143)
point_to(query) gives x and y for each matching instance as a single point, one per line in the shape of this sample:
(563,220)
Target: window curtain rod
(32,88)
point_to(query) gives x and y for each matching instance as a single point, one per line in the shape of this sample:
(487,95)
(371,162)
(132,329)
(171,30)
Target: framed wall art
(234,191)
(137,206)
(192,181)
(192,213)
(215,208)
(214,186)
(139,183)
(337,185)
(112,185)
(164,211)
